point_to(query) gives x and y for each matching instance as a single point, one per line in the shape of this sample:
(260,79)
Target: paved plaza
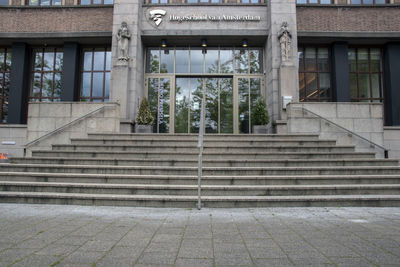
(50,235)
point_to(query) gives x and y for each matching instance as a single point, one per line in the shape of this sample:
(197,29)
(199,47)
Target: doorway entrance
(228,80)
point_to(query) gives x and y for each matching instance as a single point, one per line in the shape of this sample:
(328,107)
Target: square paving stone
(194,262)
(157,258)
(233,260)
(57,250)
(83,257)
(284,262)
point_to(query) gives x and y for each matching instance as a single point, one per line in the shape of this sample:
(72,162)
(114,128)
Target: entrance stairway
(238,171)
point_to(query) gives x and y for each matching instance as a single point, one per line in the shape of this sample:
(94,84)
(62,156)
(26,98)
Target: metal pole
(200,147)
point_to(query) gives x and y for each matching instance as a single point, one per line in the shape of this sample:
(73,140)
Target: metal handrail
(200,161)
(372,144)
(64,126)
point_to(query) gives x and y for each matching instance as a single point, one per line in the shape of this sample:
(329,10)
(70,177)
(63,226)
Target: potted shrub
(144,119)
(260,117)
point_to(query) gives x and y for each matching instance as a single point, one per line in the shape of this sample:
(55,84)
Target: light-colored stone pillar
(127,85)
(282,75)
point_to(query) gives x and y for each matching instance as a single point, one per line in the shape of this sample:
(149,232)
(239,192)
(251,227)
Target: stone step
(159,170)
(176,142)
(207,201)
(185,149)
(207,137)
(208,155)
(207,162)
(206,180)
(206,190)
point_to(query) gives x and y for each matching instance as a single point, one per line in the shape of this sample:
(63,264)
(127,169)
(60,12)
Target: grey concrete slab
(40,235)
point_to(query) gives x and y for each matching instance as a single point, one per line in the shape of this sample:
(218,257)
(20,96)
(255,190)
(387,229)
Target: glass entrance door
(218,96)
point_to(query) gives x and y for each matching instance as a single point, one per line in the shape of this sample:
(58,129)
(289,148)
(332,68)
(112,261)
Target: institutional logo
(157,15)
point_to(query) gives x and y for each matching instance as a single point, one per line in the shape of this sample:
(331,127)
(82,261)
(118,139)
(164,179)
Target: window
(314,74)
(314,1)
(211,60)
(5,66)
(368,2)
(158,1)
(203,1)
(3,2)
(46,74)
(97,2)
(95,74)
(366,76)
(44,2)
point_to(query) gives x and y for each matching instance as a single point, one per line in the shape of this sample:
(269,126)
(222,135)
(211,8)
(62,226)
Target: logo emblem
(157,15)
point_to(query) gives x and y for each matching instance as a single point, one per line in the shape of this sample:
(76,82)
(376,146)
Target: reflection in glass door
(218,94)
(159,100)
(249,90)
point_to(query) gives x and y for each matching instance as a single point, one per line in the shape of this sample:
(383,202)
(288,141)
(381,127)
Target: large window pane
(226,105)
(226,61)
(153,86)
(196,61)
(97,84)
(353,86)
(375,60)
(211,116)
(364,86)
(376,86)
(153,61)
(256,62)
(255,93)
(86,84)
(181,105)
(362,55)
(323,59)
(48,62)
(167,61)
(310,56)
(87,60)
(243,90)
(98,60)
(182,61)
(196,96)
(311,85)
(211,61)
(163,107)
(242,61)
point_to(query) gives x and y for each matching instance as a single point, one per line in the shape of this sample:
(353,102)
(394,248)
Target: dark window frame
(95,4)
(39,3)
(4,71)
(374,3)
(32,71)
(317,72)
(371,99)
(106,48)
(319,3)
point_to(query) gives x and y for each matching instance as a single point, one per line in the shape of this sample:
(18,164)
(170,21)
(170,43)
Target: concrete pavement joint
(212,239)
(181,241)
(244,243)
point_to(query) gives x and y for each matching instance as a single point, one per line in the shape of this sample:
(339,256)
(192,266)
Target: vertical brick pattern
(56,20)
(349,19)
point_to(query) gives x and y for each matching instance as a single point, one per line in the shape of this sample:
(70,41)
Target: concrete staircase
(239,171)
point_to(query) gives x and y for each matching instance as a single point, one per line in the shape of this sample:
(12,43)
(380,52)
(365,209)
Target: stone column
(340,72)
(127,84)
(19,86)
(392,83)
(70,73)
(282,73)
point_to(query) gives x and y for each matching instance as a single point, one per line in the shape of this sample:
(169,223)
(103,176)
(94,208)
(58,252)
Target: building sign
(158,15)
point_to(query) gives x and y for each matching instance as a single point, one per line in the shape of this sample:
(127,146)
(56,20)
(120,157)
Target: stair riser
(206,204)
(204,192)
(221,143)
(207,137)
(206,163)
(208,181)
(193,171)
(179,156)
(206,149)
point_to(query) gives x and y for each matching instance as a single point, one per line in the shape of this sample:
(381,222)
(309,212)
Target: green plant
(259,114)
(144,116)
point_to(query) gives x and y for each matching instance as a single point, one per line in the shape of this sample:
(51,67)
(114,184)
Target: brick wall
(56,19)
(351,19)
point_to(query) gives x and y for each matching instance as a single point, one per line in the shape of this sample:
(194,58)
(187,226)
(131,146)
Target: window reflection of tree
(5,66)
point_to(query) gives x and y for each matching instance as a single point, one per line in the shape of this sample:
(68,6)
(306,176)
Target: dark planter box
(143,128)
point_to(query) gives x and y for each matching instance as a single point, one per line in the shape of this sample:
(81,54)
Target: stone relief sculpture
(123,37)
(285,39)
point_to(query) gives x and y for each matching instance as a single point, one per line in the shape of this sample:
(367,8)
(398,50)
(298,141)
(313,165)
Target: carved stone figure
(285,39)
(123,37)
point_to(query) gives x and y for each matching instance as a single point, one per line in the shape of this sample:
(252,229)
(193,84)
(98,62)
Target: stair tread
(194,198)
(229,177)
(192,187)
